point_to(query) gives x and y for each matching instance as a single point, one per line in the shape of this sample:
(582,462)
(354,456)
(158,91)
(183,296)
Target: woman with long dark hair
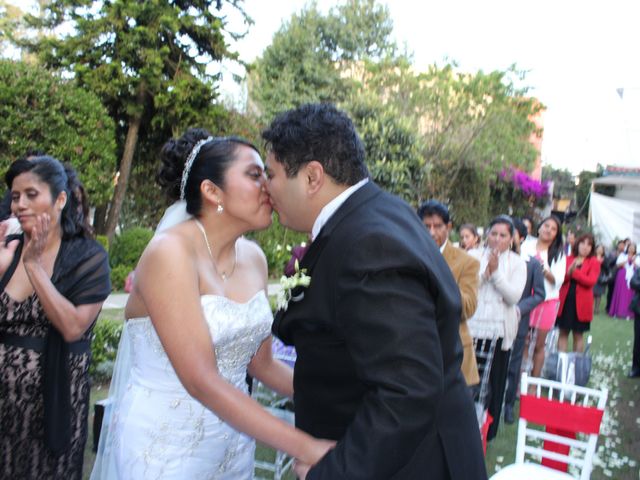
(576,294)
(54,279)
(548,250)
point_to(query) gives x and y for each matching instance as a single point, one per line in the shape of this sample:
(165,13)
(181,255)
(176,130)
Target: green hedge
(104,241)
(277,242)
(128,246)
(124,253)
(104,347)
(119,275)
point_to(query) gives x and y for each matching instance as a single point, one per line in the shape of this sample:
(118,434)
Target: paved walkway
(119,300)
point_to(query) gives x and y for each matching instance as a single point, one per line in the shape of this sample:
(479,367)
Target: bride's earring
(220,208)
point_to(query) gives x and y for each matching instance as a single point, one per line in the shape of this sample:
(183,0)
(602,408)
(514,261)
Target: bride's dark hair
(211,163)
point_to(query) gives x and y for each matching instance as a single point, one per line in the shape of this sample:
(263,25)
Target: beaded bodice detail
(237,330)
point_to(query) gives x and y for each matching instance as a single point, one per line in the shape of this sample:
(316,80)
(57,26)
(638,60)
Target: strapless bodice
(236,329)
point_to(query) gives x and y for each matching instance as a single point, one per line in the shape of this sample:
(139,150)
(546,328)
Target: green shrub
(128,246)
(276,242)
(104,241)
(104,347)
(118,276)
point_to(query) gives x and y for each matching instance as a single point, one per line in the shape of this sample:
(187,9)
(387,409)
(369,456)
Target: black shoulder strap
(14,263)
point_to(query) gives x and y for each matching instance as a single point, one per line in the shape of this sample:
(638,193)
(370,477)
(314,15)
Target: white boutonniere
(299,279)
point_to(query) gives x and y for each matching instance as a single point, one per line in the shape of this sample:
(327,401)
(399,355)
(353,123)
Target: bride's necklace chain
(222,274)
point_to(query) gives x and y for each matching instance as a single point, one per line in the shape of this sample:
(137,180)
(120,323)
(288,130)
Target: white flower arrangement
(299,279)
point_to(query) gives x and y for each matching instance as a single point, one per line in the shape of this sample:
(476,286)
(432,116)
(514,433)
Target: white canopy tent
(619,216)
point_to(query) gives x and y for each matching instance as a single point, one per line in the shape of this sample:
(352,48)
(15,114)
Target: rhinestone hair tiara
(189,163)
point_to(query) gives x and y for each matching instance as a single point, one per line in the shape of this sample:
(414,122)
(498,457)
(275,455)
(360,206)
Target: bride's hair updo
(211,163)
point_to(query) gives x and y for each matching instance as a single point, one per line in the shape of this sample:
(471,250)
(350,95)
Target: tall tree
(307,58)
(146,61)
(564,184)
(41,111)
(427,134)
(467,126)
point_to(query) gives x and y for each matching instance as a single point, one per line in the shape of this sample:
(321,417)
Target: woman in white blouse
(548,250)
(502,278)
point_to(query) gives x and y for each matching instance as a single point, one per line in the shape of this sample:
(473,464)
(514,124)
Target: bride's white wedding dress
(153,429)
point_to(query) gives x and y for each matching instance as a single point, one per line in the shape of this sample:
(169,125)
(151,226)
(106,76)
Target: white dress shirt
(330,208)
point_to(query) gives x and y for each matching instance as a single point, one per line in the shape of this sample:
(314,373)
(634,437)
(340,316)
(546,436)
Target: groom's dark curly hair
(321,132)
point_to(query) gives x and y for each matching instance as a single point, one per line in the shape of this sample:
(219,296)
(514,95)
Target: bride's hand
(301,469)
(316,449)
(319,449)
(6,251)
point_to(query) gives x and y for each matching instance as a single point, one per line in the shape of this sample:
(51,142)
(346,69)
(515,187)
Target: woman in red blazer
(576,294)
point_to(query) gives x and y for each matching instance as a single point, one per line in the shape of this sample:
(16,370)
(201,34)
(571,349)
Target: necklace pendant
(224,276)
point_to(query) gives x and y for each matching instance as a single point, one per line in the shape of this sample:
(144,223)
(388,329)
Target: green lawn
(619,441)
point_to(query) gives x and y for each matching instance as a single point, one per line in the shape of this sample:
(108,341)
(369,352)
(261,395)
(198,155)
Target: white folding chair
(484,349)
(571,417)
(277,463)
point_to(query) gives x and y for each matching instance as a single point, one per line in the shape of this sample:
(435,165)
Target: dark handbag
(569,367)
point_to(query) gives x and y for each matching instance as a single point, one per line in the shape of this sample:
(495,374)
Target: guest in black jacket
(610,262)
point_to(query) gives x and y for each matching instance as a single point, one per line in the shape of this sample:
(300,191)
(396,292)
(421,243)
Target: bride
(198,320)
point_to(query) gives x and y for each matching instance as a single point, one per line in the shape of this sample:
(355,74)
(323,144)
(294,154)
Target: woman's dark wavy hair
(582,238)
(555,249)
(321,132)
(59,177)
(211,163)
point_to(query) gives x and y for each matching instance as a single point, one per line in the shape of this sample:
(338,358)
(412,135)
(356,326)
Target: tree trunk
(100,220)
(123,179)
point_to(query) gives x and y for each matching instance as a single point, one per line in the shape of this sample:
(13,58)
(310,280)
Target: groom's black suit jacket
(378,348)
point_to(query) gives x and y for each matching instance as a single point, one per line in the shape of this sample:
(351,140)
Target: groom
(376,331)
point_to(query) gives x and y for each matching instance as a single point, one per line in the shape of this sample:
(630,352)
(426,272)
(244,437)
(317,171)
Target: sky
(582,59)
(577,55)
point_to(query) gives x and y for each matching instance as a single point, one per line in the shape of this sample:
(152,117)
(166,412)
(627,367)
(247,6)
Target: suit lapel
(360,196)
(363,194)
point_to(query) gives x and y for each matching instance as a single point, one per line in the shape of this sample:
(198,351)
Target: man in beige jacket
(465,268)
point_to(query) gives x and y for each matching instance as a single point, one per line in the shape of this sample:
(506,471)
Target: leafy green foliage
(128,246)
(436,134)
(147,61)
(306,60)
(564,185)
(277,242)
(104,347)
(41,111)
(102,240)
(118,276)
(393,147)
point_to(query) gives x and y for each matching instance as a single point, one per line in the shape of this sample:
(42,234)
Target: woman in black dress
(576,294)
(53,280)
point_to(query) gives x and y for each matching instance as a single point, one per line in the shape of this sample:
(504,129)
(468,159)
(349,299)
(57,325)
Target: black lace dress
(81,274)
